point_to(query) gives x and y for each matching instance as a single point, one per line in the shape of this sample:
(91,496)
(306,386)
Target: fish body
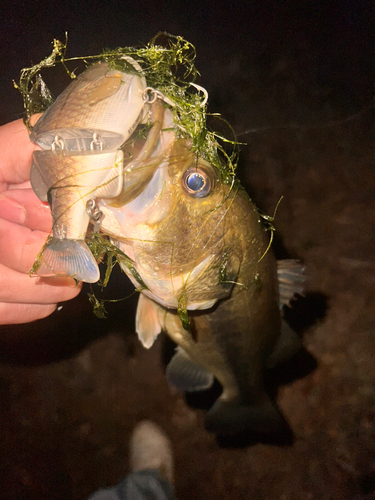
(197,243)
(201,250)
(80,160)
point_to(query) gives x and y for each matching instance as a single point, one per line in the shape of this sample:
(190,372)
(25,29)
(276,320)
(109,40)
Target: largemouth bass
(80,136)
(209,281)
(198,248)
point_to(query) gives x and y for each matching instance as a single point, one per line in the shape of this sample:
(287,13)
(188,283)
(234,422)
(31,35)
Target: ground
(72,387)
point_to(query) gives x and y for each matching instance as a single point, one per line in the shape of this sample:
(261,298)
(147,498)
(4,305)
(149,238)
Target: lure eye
(197,182)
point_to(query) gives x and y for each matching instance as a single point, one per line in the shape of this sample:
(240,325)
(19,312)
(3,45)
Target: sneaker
(150,448)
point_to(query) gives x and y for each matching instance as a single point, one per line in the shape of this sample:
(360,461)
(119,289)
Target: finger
(15,314)
(22,185)
(23,207)
(19,246)
(16,151)
(21,288)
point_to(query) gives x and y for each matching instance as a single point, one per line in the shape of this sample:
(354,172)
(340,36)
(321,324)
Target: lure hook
(95,214)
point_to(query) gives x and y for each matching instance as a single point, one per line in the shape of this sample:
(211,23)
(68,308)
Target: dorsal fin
(291,277)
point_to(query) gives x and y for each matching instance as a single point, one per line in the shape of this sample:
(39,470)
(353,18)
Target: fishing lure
(80,160)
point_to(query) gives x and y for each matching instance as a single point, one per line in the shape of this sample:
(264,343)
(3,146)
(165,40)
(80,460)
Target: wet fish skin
(206,255)
(234,339)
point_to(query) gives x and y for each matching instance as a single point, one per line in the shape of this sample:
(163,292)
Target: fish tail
(234,417)
(73,258)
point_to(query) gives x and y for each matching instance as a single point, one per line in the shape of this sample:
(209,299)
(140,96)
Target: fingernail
(11,210)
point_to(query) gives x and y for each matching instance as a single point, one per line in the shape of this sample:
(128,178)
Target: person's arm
(25,223)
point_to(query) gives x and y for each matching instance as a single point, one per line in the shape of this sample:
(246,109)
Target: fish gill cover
(167,63)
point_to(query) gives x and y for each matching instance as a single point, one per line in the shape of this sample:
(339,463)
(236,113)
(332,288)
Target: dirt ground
(72,387)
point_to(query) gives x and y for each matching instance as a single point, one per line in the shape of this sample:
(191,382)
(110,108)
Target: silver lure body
(80,136)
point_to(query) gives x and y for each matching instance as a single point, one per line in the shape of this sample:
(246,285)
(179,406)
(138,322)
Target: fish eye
(197,182)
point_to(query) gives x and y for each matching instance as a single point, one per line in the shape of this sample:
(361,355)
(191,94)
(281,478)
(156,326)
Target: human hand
(25,223)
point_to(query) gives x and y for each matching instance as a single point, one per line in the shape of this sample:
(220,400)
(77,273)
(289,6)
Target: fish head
(175,229)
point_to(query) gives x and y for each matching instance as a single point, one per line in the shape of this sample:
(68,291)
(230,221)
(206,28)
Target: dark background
(329,42)
(295,79)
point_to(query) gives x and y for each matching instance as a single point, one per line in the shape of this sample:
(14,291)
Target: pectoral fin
(186,375)
(290,273)
(229,268)
(147,324)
